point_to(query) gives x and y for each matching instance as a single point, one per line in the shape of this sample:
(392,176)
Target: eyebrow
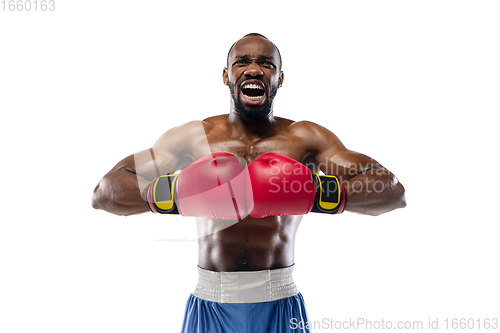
(259,57)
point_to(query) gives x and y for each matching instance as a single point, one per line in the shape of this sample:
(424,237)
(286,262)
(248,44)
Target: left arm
(371,188)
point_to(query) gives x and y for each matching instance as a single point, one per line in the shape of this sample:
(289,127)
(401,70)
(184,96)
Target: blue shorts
(203,316)
(245,302)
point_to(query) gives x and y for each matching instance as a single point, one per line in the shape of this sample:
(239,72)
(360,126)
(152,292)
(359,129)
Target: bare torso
(250,244)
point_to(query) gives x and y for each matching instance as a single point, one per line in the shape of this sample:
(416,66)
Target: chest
(288,145)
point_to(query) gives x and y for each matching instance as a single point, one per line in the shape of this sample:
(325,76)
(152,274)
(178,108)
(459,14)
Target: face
(253,77)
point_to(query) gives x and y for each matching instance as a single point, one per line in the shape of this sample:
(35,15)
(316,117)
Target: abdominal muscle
(247,245)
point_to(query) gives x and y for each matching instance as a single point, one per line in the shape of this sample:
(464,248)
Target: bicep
(148,165)
(345,163)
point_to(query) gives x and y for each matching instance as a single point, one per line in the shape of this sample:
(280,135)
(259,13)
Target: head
(253,74)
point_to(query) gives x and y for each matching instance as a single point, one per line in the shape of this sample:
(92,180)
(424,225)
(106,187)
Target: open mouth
(253,92)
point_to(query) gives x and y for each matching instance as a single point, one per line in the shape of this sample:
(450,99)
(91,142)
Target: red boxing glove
(212,187)
(282,186)
(218,187)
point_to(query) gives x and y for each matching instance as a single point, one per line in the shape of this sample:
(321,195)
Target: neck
(254,130)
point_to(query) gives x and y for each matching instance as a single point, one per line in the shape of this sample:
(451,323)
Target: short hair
(249,35)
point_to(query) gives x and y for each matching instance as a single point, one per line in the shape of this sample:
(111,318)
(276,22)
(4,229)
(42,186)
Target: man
(235,171)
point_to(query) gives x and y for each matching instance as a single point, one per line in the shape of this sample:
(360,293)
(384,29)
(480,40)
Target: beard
(257,113)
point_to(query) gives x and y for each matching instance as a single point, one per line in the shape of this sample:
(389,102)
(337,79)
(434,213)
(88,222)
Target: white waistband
(245,286)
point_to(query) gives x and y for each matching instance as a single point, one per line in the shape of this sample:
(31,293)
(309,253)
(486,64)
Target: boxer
(249,177)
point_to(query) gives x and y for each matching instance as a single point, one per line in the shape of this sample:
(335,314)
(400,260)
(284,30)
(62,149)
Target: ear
(225,76)
(280,79)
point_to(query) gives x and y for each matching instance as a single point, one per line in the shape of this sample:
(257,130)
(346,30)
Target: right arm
(122,190)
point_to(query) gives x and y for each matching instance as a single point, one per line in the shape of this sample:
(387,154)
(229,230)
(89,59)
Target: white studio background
(413,84)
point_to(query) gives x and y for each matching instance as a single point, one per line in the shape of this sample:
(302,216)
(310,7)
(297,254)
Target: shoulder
(303,126)
(182,135)
(316,137)
(186,130)
(216,119)
(311,130)
(191,136)
(215,122)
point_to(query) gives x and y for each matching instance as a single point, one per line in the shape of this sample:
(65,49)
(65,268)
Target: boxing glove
(282,186)
(212,187)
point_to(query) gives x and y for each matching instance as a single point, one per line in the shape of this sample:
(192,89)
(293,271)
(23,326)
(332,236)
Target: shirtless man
(245,262)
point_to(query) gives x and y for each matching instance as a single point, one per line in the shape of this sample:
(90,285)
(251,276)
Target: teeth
(252,86)
(254,98)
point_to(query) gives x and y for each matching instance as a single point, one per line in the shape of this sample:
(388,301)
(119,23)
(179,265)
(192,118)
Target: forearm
(374,192)
(119,193)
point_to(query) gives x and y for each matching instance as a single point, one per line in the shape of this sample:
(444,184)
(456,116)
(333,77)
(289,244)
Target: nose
(253,70)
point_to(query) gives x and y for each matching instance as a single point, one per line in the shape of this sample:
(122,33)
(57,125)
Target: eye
(241,62)
(267,64)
